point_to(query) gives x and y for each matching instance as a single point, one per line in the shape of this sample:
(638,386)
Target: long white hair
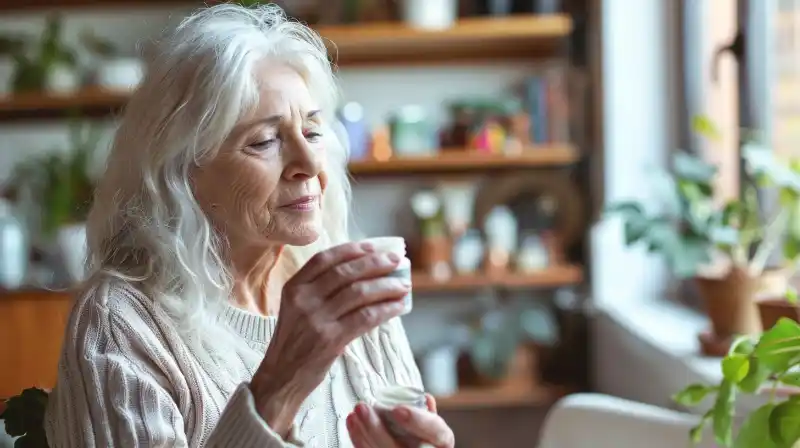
(145,225)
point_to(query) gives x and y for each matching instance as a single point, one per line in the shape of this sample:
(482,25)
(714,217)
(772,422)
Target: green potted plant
(113,69)
(63,184)
(723,247)
(764,365)
(46,64)
(501,343)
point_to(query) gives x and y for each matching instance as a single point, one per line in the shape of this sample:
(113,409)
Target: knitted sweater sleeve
(112,392)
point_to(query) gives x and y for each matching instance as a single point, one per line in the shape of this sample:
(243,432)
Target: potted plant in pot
(784,180)
(63,185)
(723,247)
(44,65)
(754,365)
(114,69)
(501,349)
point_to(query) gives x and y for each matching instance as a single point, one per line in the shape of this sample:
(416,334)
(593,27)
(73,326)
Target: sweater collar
(248,325)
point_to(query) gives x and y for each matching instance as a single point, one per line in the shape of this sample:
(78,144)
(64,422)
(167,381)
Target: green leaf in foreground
(754,432)
(692,395)
(784,423)
(696,433)
(779,346)
(758,374)
(722,415)
(735,368)
(791,379)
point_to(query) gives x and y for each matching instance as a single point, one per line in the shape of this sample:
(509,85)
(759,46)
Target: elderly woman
(225,306)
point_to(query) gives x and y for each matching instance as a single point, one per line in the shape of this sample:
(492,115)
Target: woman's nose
(304,161)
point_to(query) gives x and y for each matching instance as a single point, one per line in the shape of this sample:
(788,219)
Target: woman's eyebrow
(276,119)
(313,116)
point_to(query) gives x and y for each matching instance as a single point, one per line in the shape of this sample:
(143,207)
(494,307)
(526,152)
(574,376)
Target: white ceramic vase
(72,249)
(430,14)
(62,80)
(120,74)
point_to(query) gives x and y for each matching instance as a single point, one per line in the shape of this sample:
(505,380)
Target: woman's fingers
(430,402)
(326,259)
(366,267)
(358,434)
(358,322)
(427,426)
(365,293)
(366,420)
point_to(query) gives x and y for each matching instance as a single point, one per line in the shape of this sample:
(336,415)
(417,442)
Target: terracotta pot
(730,303)
(771,310)
(524,369)
(434,256)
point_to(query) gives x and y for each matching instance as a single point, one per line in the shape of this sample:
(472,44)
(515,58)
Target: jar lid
(394,244)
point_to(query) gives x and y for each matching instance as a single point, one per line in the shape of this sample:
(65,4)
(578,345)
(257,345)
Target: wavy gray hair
(145,225)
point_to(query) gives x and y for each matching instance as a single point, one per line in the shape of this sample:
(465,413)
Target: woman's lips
(304,203)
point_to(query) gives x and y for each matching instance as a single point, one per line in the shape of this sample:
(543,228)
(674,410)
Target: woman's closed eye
(312,136)
(264,145)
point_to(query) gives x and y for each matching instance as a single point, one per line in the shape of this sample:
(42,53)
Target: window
(712,84)
(775,30)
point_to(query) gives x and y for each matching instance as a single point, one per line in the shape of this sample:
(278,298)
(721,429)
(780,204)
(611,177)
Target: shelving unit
(34,5)
(554,276)
(478,39)
(380,44)
(372,44)
(91,102)
(463,160)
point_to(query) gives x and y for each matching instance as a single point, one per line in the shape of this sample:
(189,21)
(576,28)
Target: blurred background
(491,134)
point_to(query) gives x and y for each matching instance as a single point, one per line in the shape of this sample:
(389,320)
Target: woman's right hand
(340,294)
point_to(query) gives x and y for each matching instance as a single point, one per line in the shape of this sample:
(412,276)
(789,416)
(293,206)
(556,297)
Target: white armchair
(603,421)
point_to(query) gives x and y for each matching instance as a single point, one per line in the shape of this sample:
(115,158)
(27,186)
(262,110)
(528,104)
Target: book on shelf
(546,98)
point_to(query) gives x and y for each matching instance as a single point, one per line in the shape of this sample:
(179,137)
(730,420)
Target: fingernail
(362,411)
(405,282)
(393,257)
(367,247)
(402,413)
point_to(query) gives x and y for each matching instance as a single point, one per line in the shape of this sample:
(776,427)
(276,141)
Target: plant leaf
(791,295)
(735,367)
(779,346)
(722,417)
(704,126)
(691,168)
(754,432)
(791,379)
(784,423)
(756,376)
(626,207)
(693,394)
(696,433)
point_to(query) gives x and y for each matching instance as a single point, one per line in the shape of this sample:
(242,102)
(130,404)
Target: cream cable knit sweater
(127,380)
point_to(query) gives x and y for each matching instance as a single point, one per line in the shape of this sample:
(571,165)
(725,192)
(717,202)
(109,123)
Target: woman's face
(264,187)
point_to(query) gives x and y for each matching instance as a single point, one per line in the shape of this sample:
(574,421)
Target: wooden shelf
(34,5)
(551,277)
(462,160)
(474,398)
(90,102)
(471,39)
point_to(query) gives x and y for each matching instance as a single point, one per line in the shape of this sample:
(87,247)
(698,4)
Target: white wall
(377,204)
(639,51)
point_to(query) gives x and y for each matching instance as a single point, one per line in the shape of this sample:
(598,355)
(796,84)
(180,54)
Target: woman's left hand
(367,430)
